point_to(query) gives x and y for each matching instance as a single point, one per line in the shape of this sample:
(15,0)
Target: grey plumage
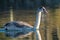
(15,29)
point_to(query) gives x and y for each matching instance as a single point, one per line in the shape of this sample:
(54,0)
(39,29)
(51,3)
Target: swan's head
(42,9)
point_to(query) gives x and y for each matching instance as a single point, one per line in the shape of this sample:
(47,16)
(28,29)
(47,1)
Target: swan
(22,29)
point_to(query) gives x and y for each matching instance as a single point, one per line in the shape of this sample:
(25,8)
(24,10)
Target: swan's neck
(38,20)
(11,15)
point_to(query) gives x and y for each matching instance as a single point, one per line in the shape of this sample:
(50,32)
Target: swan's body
(21,29)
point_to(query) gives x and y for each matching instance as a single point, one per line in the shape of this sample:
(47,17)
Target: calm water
(53,22)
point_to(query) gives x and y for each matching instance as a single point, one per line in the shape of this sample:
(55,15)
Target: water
(2,30)
(28,16)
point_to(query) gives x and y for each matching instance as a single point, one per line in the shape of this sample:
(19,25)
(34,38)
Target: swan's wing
(38,35)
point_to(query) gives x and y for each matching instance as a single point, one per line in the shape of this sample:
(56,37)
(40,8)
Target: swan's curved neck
(11,15)
(38,20)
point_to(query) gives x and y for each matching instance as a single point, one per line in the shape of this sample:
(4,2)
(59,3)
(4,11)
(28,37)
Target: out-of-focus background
(25,10)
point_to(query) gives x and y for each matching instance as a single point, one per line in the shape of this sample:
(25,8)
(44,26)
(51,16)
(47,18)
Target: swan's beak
(44,9)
